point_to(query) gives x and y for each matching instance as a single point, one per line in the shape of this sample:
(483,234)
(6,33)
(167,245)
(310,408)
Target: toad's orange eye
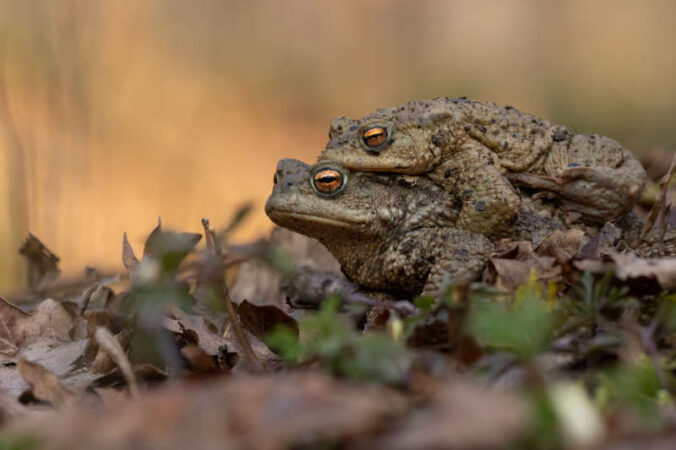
(327,181)
(374,136)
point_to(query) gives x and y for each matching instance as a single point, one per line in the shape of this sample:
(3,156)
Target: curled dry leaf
(44,384)
(512,263)
(43,265)
(261,320)
(562,245)
(198,361)
(103,362)
(629,266)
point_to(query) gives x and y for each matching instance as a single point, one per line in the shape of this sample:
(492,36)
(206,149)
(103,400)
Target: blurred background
(115,113)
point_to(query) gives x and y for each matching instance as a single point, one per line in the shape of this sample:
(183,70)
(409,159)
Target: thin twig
(208,234)
(229,306)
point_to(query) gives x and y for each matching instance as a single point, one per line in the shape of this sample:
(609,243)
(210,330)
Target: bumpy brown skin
(385,235)
(480,151)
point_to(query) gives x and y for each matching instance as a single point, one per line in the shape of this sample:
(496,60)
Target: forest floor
(205,344)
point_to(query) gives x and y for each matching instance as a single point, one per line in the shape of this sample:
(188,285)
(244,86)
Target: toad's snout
(290,178)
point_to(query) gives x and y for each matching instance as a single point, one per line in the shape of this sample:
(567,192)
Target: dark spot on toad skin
(573,165)
(447,173)
(559,137)
(467,193)
(480,206)
(354,127)
(406,248)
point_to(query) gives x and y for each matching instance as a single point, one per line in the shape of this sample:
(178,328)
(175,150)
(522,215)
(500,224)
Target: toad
(385,235)
(481,153)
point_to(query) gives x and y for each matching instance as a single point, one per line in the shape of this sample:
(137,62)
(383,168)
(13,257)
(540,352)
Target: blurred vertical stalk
(16,175)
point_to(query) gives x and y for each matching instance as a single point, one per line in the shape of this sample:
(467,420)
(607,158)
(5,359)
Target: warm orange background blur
(115,113)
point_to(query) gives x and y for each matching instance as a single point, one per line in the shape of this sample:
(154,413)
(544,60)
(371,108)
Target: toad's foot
(598,193)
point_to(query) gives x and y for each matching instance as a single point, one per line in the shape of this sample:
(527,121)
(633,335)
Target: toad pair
(410,197)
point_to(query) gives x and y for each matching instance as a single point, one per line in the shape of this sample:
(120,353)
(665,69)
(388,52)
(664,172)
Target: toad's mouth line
(306,217)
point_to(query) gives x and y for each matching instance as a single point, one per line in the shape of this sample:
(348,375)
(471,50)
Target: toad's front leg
(489,202)
(432,258)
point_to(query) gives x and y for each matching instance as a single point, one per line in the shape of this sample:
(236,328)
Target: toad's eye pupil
(375,136)
(328,181)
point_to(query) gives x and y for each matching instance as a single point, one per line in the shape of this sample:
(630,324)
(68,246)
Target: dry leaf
(129,259)
(209,339)
(512,263)
(199,361)
(261,320)
(56,356)
(43,265)
(103,362)
(18,329)
(110,345)
(562,245)
(10,315)
(602,243)
(48,320)
(44,384)
(629,266)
